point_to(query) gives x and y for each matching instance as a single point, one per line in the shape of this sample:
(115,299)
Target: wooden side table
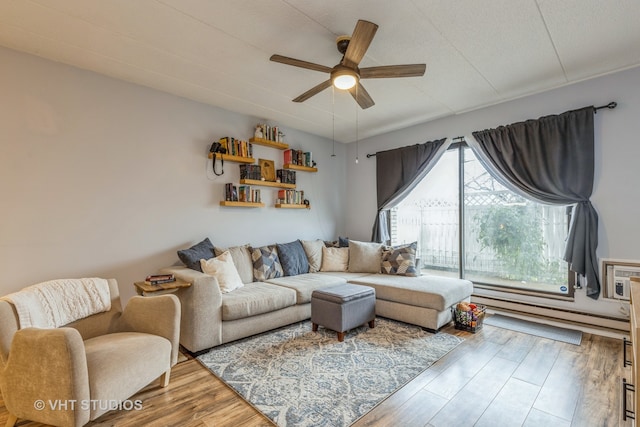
(145,289)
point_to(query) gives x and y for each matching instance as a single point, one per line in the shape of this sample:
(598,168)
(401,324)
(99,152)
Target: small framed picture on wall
(267,169)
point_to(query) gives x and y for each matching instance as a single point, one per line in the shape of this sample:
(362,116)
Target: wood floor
(494,378)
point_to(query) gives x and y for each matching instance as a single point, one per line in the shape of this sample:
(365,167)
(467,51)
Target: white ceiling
(478,53)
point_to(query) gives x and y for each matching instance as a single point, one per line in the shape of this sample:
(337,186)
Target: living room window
(468,225)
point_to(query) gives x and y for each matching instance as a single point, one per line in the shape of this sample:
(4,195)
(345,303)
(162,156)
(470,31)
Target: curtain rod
(610,106)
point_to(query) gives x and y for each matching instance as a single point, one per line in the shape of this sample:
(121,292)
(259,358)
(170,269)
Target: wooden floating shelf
(267,143)
(237,159)
(242,204)
(299,168)
(291,206)
(267,183)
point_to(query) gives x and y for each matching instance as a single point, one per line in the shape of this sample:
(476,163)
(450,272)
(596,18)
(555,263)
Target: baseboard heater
(550,313)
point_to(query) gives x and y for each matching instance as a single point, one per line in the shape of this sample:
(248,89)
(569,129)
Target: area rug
(300,378)
(556,333)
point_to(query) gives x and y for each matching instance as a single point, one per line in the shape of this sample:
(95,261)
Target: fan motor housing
(342,42)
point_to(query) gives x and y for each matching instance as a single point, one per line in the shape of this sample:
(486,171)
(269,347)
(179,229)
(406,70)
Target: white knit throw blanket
(58,302)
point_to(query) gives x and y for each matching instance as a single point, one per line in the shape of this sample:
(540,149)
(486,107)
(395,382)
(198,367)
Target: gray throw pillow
(364,257)
(266,264)
(191,257)
(293,258)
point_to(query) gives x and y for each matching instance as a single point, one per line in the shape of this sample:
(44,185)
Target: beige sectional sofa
(211,317)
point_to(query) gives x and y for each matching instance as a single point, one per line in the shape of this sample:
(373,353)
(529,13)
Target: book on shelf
(250,171)
(245,193)
(290,197)
(230,192)
(298,157)
(237,147)
(271,133)
(288,156)
(286,176)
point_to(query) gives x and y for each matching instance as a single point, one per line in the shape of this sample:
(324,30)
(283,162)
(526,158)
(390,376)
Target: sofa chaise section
(424,300)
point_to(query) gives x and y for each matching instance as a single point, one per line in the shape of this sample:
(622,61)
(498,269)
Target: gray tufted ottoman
(343,307)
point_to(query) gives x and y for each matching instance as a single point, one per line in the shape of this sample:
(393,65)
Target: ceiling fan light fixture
(344,78)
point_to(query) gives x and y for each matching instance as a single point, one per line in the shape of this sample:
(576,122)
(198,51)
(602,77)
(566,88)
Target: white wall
(616,186)
(99,177)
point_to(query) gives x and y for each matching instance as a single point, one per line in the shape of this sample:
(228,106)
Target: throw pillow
(242,260)
(293,258)
(313,249)
(223,269)
(266,264)
(364,257)
(331,244)
(400,260)
(191,257)
(335,259)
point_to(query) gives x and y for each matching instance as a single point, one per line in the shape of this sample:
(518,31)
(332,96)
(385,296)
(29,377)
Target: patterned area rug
(297,377)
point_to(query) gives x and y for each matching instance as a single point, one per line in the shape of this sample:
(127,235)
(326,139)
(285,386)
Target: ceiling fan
(346,74)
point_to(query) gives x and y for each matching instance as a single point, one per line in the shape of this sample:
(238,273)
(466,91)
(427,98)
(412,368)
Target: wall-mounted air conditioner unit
(616,278)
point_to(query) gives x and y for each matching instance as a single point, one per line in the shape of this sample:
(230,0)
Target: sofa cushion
(364,257)
(256,298)
(191,257)
(266,264)
(242,259)
(335,259)
(313,250)
(293,258)
(400,260)
(305,284)
(224,270)
(436,292)
(121,352)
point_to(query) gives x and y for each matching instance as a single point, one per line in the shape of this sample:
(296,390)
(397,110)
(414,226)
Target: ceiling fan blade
(359,43)
(313,91)
(300,63)
(409,70)
(361,96)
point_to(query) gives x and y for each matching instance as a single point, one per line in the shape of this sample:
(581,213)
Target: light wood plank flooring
(494,378)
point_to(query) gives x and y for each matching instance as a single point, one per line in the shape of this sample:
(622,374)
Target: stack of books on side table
(158,284)
(158,279)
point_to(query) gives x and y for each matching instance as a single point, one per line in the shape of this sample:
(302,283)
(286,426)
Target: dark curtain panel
(551,160)
(398,171)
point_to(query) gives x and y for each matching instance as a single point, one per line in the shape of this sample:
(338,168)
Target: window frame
(460,146)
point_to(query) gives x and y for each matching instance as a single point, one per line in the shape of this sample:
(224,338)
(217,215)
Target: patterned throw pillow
(400,260)
(266,264)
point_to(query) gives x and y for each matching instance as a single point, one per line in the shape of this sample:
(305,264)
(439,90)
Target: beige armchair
(71,375)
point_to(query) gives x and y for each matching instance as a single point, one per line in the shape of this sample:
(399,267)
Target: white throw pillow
(241,259)
(335,259)
(223,269)
(364,257)
(313,249)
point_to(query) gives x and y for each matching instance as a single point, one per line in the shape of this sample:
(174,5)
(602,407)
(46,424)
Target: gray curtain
(398,171)
(551,160)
